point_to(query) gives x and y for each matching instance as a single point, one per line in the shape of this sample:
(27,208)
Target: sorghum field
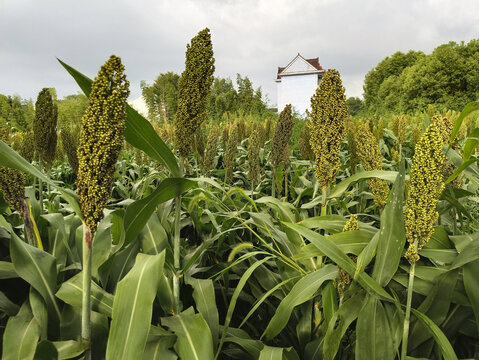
(238,236)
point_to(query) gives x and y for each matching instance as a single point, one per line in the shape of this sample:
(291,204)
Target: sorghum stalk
(425,188)
(101,141)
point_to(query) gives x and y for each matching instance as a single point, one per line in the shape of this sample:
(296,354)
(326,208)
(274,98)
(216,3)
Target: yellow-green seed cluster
(304,144)
(44,126)
(12,184)
(398,125)
(371,159)
(353,153)
(210,151)
(282,134)
(101,140)
(344,278)
(425,187)
(328,112)
(230,153)
(255,144)
(70,147)
(27,148)
(193,90)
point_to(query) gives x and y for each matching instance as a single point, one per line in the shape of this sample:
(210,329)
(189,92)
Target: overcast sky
(250,37)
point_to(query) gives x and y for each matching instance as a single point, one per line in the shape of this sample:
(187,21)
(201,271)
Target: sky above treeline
(250,37)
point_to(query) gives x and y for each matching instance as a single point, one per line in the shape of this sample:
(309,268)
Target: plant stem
(286,185)
(273,186)
(324,202)
(86,297)
(40,185)
(176,250)
(405,334)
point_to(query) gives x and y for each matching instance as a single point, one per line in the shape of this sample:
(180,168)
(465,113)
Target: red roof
(313,62)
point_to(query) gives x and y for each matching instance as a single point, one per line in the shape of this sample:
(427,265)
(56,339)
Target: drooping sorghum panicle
(353,153)
(328,112)
(210,151)
(44,126)
(12,185)
(425,186)
(101,140)
(371,159)
(193,90)
(304,144)
(344,278)
(281,136)
(254,147)
(230,152)
(69,140)
(398,125)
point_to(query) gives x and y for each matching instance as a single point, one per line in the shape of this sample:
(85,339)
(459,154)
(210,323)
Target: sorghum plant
(101,141)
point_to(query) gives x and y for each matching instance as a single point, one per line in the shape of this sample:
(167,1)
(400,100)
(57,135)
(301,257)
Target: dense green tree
(223,98)
(16,113)
(409,82)
(71,110)
(161,97)
(194,89)
(355,105)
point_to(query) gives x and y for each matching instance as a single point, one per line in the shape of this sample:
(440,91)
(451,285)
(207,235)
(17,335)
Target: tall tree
(194,89)
(162,97)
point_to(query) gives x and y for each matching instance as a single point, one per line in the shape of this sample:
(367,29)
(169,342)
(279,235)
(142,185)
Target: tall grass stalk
(86,285)
(407,317)
(176,250)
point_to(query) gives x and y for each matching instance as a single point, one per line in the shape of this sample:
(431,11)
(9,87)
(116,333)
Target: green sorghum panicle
(210,151)
(101,140)
(230,152)
(193,90)
(267,128)
(254,147)
(281,136)
(398,125)
(304,144)
(12,185)
(27,148)
(344,278)
(328,112)
(425,186)
(44,126)
(353,154)
(371,159)
(70,146)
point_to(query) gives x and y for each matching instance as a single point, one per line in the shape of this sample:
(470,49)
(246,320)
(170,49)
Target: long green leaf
(392,234)
(441,339)
(332,251)
(69,349)
(7,306)
(373,333)
(71,293)
(340,188)
(138,212)
(271,353)
(21,335)
(38,268)
(468,109)
(301,292)
(471,143)
(194,340)
(10,158)
(132,308)
(204,295)
(138,131)
(471,284)
(7,271)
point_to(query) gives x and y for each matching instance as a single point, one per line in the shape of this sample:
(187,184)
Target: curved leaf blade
(138,131)
(132,308)
(301,292)
(340,188)
(468,109)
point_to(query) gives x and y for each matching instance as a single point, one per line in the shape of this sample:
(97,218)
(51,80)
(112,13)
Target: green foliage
(355,105)
(409,82)
(328,113)
(101,140)
(70,111)
(161,97)
(194,89)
